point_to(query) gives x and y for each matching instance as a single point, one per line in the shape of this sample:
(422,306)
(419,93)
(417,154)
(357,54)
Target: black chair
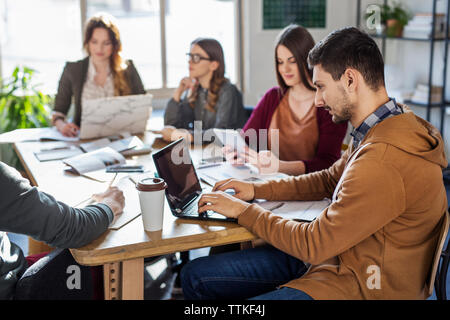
(52,278)
(440,282)
(248,110)
(439,268)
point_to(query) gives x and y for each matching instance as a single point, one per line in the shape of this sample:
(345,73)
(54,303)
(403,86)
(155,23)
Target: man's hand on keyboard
(243,190)
(223,203)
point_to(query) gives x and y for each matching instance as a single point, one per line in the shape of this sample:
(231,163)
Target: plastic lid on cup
(151,184)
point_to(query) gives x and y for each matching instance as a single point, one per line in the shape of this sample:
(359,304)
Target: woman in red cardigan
(301,138)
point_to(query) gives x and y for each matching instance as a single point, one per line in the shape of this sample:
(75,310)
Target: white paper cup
(151,197)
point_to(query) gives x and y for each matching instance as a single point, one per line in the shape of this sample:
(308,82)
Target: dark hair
(214,51)
(349,48)
(107,22)
(299,41)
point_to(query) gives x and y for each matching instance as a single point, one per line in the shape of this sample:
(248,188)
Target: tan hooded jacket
(377,240)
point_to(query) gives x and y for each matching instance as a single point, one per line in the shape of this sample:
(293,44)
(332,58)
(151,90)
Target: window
(45,34)
(140,32)
(187,20)
(42,35)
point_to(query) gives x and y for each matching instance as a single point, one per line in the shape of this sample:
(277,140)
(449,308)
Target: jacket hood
(411,134)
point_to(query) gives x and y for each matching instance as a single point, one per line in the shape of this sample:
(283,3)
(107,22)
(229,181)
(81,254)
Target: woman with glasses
(205,97)
(102,74)
(300,137)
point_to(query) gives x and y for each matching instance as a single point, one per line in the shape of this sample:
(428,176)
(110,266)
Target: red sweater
(331,134)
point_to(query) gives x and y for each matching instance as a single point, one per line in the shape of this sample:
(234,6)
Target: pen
(92,200)
(57,148)
(112,181)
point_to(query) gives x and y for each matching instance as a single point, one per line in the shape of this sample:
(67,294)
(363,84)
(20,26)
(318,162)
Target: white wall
(259,68)
(406,61)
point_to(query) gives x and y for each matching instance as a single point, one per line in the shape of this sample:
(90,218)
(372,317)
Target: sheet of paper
(58,153)
(212,174)
(53,134)
(34,134)
(95,145)
(95,160)
(132,209)
(296,210)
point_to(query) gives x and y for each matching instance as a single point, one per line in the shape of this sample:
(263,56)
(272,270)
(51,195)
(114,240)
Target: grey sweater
(229,114)
(26,210)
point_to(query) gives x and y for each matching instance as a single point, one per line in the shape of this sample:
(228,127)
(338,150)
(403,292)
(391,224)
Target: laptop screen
(174,165)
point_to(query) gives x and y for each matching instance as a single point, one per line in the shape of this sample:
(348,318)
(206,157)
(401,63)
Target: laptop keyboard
(192,209)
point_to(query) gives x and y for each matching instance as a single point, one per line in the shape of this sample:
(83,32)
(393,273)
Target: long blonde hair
(214,51)
(117,64)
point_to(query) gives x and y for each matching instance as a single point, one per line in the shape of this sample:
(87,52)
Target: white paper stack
(421,25)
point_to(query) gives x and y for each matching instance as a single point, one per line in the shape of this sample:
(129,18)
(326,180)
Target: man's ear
(350,79)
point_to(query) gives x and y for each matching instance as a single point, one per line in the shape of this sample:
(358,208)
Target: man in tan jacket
(377,238)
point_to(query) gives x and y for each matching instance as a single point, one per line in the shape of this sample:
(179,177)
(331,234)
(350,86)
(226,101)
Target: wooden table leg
(124,280)
(133,279)
(111,280)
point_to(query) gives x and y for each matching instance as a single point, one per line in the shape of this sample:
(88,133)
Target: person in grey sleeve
(206,95)
(103,73)
(26,210)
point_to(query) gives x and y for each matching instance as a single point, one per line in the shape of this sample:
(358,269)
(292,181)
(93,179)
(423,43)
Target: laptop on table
(174,164)
(114,115)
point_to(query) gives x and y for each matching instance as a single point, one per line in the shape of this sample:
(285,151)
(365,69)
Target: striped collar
(387,110)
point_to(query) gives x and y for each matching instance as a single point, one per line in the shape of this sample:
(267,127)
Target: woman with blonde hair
(103,73)
(206,95)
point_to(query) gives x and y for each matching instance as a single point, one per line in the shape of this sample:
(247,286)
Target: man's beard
(344,116)
(345,113)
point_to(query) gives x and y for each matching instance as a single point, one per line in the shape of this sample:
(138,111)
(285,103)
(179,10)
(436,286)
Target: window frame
(165,91)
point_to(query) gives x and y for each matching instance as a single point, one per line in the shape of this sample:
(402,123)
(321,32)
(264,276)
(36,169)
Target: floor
(159,278)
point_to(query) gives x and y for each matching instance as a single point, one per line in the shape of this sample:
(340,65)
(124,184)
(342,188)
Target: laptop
(174,164)
(114,115)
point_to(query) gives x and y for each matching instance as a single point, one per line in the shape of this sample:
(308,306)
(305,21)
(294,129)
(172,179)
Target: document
(34,134)
(132,208)
(128,146)
(95,160)
(296,210)
(58,153)
(216,172)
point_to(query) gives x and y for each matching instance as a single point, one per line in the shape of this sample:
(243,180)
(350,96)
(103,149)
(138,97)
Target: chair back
(437,253)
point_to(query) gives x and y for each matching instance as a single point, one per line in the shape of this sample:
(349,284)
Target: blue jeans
(243,274)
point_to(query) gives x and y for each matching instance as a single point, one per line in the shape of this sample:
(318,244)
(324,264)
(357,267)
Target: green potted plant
(22,105)
(394,17)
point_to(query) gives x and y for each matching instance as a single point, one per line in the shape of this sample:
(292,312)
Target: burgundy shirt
(331,134)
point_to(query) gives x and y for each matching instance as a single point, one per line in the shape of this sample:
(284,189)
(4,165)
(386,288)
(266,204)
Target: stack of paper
(421,26)
(421,94)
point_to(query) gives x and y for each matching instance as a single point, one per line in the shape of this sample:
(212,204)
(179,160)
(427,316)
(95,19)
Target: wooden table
(122,252)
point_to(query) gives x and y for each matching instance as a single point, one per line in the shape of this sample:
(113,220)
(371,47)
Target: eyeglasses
(196,58)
